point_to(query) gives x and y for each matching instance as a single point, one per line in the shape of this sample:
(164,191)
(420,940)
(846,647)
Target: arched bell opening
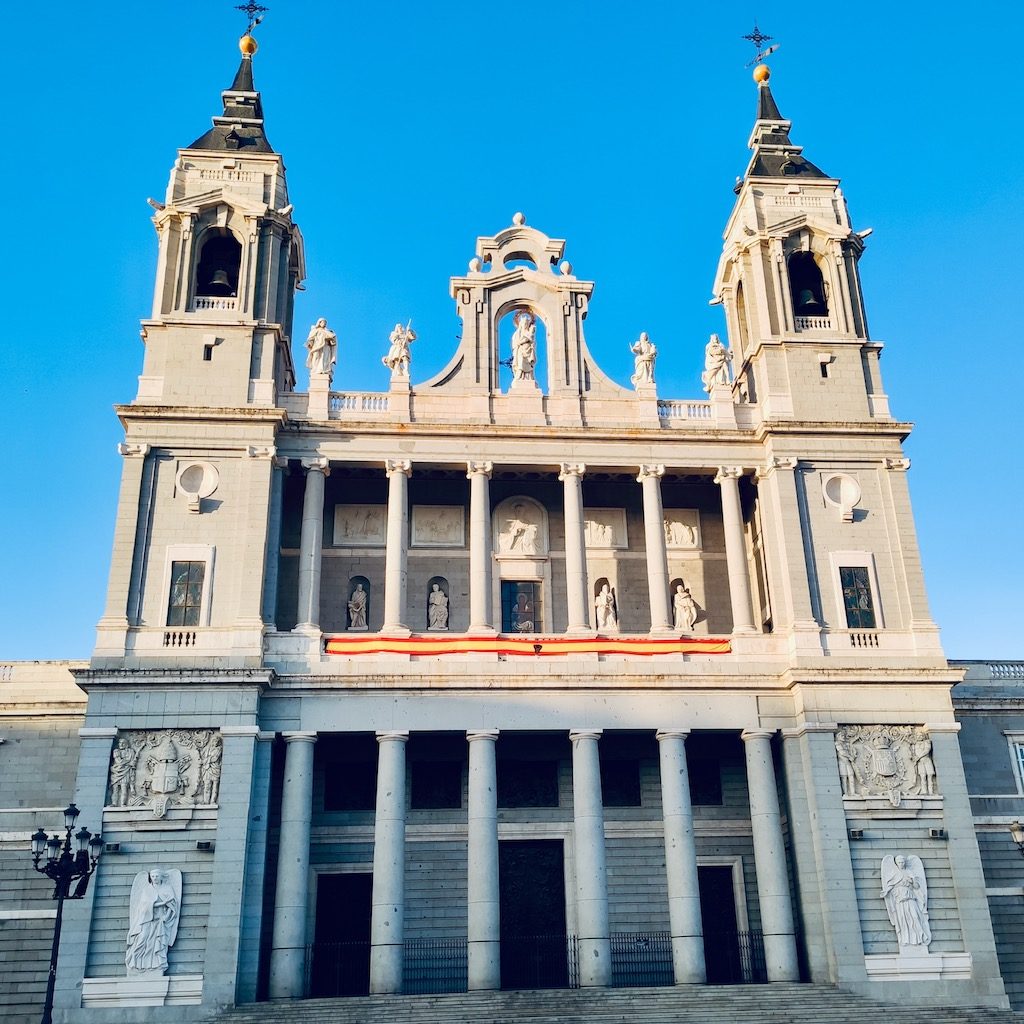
(220,260)
(522,350)
(806,285)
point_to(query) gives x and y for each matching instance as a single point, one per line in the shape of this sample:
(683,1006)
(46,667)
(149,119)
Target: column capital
(671,734)
(299,737)
(261,451)
(280,462)
(132,451)
(393,466)
(899,465)
(571,469)
(317,465)
(479,469)
(393,736)
(585,734)
(649,471)
(481,734)
(728,473)
(757,734)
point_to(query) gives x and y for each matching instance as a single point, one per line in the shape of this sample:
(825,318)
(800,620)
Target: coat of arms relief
(165,768)
(889,761)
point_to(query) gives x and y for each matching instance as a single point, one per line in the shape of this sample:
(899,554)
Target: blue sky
(410,129)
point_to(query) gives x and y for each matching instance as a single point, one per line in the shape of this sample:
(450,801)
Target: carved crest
(890,761)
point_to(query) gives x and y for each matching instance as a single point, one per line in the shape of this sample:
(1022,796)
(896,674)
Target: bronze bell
(220,279)
(807,300)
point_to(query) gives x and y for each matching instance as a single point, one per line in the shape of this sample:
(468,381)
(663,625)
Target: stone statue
(357,608)
(153,920)
(398,357)
(524,346)
(847,776)
(906,900)
(644,353)
(210,758)
(520,534)
(889,761)
(716,364)
(122,773)
(322,345)
(437,608)
(925,764)
(684,609)
(604,608)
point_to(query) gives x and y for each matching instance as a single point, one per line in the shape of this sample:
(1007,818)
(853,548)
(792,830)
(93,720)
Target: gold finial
(248,45)
(762,73)
(255,13)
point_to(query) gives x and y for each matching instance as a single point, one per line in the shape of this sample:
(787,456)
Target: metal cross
(253,11)
(757,37)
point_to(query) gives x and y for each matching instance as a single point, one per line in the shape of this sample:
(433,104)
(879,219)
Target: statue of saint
(922,749)
(524,346)
(847,773)
(604,609)
(684,609)
(716,364)
(437,608)
(122,771)
(644,353)
(153,920)
(357,608)
(398,357)
(906,899)
(209,769)
(322,345)
(522,614)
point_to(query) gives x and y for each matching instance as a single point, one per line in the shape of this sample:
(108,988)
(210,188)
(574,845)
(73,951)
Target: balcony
(813,323)
(215,303)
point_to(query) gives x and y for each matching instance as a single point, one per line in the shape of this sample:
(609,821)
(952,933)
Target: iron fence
(434,965)
(735,958)
(539,961)
(338,969)
(641,958)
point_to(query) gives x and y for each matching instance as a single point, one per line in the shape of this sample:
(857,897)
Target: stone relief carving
(841,491)
(890,761)
(906,901)
(682,528)
(520,532)
(604,610)
(644,355)
(360,525)
(604,527)
(440,526)
(154,910)
(322,346)
(716,364)
(166,768)
(398,358)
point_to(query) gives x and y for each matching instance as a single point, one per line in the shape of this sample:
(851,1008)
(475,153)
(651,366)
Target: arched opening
(219,262)
(358,611)
(438,610)
(522,351)
(741,321)
(806,285)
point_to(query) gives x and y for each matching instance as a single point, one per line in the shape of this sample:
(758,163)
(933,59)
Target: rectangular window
(527,783)
(186,597)
(620,783)
(436,785)
(1018,749)
(520,607)
(860,608)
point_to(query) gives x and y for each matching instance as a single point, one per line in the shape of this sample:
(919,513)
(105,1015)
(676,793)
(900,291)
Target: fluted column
(484,922)
(657,555)
(773,893)
(577,591)
(481,616)
(288,946)
(681,860)
(396,553)
(727,479)
(595,948)
(387,913)
(311,542)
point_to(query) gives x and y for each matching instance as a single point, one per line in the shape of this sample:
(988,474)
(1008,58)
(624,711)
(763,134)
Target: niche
(806,285)
(438,610)
(522,351)
(358,610)
(219,261)
(685,610)
(606,607)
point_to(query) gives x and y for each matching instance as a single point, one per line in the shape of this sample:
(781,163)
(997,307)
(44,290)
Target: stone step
(741,1004)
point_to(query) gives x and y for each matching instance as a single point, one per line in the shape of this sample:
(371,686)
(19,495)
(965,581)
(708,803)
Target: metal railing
(338,969)
(434,965)
(641,958)
(539,961)
(735,958)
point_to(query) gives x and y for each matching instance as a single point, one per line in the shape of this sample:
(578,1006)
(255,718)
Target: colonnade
(482,612)
(591,893)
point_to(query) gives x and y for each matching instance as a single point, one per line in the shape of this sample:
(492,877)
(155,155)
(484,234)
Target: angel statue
(906,900)
(155,906)
(398,357)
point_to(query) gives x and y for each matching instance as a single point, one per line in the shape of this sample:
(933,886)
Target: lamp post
(64,867)
(1017,835)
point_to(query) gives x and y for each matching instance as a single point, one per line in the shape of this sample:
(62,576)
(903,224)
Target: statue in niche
(906,900)
(922,748)
(604,611)
(153,920)
(398,358)
(122,773)
(357,608)
(684,609)
(437,608)
(322,345)
(524,345)
(716,364)
(644,353)
(520,535)
(210,757)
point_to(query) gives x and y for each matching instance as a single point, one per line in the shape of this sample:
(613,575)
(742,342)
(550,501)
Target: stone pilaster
(275,517)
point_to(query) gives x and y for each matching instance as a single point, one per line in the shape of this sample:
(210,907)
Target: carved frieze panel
(358,526)
(438,526)
(889,761)
(158,769)
(682,529)
(605,527)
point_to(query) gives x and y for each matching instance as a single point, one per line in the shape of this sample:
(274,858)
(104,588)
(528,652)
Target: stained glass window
(186,595)
(860,608)
(520,607)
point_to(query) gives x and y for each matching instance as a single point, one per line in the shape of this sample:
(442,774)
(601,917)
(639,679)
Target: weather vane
(758,38)
(254,12)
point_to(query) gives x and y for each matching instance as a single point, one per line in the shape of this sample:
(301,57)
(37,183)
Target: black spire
(240,127)
(775,156)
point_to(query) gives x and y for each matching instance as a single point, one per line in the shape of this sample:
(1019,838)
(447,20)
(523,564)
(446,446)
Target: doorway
(341,947)
(721,929)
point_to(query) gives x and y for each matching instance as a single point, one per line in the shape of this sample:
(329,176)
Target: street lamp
(64,867)
(1017,835)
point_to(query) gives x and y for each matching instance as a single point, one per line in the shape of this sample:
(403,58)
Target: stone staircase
(738,1004)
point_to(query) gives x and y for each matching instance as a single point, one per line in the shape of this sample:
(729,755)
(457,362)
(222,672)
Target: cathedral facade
(515,677)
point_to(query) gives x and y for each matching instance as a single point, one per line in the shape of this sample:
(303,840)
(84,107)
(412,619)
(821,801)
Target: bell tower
(230,260)
(789,283)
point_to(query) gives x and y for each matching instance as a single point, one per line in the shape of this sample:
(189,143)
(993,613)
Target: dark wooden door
(341,950)
(721,934)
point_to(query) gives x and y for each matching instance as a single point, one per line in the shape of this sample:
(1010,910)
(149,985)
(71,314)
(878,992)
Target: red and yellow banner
(539,646)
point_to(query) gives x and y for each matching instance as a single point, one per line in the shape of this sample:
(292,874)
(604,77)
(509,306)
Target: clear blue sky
(409,129)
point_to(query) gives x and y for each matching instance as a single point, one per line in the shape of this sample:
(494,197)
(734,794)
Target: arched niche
(806,285)
(520,326)
(680,607)
(522,583)
(606,606)
(438,607)
(519,526)
(357,611)
(218,264)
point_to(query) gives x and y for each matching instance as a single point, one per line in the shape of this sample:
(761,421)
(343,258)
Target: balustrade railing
(224,303)
(813,323)
(641,958)
(669,409)
(357,402)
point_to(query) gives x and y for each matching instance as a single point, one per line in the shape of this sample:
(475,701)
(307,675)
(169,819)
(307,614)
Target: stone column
(577,591)
(736,549)
(681,860)
(311,542)
(387,914)
(278,472)
(484,931)
(770,858)
(595,947)
(288,946)
(481,616)
(396,554)
(657,555)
